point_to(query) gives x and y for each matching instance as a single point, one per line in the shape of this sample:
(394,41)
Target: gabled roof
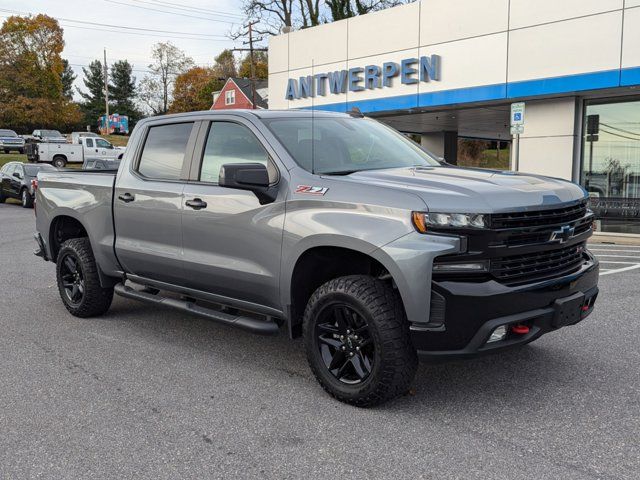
(244,84)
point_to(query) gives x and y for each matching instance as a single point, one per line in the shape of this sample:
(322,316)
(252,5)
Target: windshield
(51,133)
(346,145)
(8,133)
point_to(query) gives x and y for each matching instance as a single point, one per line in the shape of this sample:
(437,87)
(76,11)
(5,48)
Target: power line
(171,13)
(621,136)
(190,8)
(84,22)
(619,129)
(149,34)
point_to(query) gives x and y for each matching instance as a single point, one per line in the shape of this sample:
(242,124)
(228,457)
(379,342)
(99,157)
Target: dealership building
(447,71)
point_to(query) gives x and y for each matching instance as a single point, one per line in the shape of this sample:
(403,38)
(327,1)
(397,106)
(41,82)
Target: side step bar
(253,325)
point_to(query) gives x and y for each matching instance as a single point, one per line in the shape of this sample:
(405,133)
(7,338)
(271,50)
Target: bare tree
(156,88)
(273,15)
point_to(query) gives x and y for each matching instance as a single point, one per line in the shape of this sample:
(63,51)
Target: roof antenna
(313,114)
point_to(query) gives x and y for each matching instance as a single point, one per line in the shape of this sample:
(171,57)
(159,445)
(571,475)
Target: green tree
(261,66)
(193,90)
(225,65)
(67,78)
(94,101)
(122,90)
(31,70)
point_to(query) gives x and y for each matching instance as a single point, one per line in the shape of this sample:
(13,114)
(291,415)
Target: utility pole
(106,93)
(251,51)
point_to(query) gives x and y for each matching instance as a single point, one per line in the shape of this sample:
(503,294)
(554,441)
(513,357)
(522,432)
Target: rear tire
(357,341)
(26,199)
(78,280)
(59,161)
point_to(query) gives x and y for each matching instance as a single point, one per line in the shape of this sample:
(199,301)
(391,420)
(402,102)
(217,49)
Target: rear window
(164,151)
(32,170)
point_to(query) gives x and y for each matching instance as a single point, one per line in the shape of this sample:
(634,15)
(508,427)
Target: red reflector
(520,329)
(585,308)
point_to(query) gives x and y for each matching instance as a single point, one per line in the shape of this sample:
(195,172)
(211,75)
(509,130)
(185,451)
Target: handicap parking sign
(517,113)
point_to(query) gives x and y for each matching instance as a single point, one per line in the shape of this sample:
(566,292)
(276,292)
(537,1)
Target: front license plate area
(568,310)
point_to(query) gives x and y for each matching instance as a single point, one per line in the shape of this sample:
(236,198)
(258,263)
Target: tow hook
(520,329)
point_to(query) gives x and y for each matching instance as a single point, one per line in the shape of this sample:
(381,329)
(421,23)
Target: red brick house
(237,93)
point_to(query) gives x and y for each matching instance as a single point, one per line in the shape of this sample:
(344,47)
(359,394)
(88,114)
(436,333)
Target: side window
(9,170)
(100,143)
(89,142)
(164,151)
(19,170)
(231,143)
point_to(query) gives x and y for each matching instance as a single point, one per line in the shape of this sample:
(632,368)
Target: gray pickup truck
(332,226)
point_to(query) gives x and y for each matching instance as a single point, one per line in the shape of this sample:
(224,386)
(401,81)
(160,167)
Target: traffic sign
(517,129)
(517,114)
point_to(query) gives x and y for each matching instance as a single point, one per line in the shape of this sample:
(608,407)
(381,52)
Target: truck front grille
(540,217)
(538,265)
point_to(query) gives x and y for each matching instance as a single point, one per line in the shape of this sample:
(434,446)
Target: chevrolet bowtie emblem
(563,235)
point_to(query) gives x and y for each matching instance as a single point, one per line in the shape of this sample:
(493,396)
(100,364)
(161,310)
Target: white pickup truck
(59,154)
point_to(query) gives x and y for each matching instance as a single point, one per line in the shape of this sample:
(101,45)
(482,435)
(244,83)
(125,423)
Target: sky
(84,43)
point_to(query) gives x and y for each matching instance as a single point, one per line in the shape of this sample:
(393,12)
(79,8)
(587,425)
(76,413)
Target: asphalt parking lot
(151,393)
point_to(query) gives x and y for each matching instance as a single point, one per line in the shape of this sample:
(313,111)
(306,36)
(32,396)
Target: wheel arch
(319,260)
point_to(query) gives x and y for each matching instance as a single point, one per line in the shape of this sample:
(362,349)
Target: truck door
(104,149)
(231,243)
(148,202)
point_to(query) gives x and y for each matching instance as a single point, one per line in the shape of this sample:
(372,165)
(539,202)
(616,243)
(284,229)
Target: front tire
(357,341)
(26,199)
(78,280)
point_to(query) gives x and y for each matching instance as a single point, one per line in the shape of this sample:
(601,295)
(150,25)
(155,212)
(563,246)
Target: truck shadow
(507,379)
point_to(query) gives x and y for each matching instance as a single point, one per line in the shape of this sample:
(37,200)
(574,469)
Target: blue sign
(357,79)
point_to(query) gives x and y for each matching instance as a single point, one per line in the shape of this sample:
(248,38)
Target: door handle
(196,204)
(126,197)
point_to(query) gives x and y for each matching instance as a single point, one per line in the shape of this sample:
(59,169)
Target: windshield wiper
(339,172)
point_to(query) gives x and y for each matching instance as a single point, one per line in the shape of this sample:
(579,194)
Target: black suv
(16,181)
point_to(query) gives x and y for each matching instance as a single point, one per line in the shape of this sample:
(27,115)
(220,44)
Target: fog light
(498,334)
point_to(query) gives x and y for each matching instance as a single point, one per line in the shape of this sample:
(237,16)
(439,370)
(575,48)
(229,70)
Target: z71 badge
(308,189)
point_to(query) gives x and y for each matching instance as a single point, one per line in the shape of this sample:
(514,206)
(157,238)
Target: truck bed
(83,195)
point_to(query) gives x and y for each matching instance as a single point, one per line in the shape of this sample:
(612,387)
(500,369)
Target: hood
(12,139)
(467,190)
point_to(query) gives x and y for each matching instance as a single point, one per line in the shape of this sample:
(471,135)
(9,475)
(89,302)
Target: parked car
(59,155)
(333,226)
(49,136)
(16,181)
(76,136)
(100,164)
(10,141)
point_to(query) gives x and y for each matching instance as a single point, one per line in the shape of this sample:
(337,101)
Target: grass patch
(117,140)
(11,157)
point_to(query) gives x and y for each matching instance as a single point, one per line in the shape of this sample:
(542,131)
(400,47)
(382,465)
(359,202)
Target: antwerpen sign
(410,70)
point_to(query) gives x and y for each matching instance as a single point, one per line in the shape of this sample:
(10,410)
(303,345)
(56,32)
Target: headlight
(423,221)
(469,267)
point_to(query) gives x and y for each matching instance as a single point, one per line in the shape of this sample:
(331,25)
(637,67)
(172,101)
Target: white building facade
(449,69)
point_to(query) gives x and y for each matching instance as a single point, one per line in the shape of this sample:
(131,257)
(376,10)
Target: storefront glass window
(611,164)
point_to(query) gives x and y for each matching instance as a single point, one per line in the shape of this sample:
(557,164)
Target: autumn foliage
(31,89)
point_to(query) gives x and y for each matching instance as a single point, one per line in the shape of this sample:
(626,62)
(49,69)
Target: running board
(253,325)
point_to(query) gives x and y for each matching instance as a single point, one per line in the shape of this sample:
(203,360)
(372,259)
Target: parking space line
(614,261)
(619,256)
(612,250)
(624,269)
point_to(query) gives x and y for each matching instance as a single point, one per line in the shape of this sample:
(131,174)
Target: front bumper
(470,311)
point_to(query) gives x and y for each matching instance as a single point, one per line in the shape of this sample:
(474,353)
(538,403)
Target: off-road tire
(395,360)
(96,300)
(26,199)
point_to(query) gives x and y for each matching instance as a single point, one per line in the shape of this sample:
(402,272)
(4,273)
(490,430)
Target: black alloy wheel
(357,341)
(72,279)
(345,345)
(79,281)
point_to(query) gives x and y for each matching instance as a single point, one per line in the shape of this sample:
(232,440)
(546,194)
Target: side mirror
(253,177)
(17,175)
